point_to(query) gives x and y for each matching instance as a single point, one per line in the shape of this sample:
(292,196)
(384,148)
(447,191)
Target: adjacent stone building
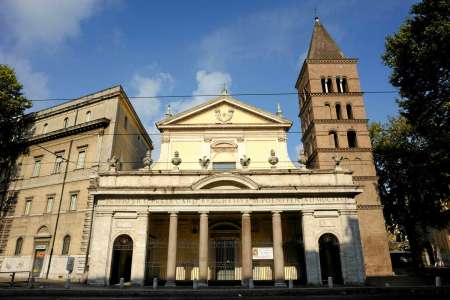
(51,212)
(224,203)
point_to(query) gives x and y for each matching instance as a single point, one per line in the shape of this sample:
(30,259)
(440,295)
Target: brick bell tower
(334,126)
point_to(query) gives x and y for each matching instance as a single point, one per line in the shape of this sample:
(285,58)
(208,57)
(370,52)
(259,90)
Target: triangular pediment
(224,111)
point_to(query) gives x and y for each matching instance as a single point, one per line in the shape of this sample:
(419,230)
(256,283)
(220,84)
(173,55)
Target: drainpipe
(59,210)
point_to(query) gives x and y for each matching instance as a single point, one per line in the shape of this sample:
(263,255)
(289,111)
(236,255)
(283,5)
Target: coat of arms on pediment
(224,117)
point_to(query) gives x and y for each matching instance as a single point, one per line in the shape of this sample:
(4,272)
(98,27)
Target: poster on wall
(262,253)
(16,264)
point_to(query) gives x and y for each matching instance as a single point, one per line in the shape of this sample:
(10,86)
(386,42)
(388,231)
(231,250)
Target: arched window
(351,138)
(88,116)
(328,110)
(66,245)
(45,128)
(19,244)
(333,139)
(341,84)
(349,111)
(338,112)
(66,122)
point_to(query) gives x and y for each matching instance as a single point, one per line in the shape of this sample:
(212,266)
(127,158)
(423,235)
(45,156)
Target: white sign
(262,253)
(16,264)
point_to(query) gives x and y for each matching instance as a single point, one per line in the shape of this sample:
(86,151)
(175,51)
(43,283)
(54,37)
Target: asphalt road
(306,297)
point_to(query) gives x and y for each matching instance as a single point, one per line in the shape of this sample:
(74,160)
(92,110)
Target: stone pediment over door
(224,111)
(225,182)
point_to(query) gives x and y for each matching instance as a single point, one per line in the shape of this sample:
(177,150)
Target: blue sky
(66,49)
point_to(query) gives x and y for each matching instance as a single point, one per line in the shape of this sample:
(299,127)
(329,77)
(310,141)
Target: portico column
(203,250)
(247,268)
(172,250)
(278,256)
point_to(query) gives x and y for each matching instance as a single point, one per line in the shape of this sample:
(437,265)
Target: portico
(215,235)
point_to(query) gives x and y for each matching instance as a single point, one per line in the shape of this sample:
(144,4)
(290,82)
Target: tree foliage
(414,198)
(420,62)
(12,123)
(412,156)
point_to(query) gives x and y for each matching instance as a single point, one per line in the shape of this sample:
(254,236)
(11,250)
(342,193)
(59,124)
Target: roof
(322,45)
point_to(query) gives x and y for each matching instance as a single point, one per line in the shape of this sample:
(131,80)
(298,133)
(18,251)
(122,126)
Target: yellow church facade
(224,203)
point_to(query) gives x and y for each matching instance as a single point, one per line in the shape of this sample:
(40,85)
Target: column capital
(246,213)
(276,212)
(203,212)
(173,213)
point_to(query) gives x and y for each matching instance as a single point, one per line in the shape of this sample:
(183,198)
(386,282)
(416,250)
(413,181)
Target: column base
(202,284)
(280,284)
(170,284)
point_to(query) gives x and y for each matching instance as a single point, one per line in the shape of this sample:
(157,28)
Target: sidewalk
(82,291)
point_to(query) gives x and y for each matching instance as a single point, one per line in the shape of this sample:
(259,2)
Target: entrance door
(38,262)
(225,259)
(121,259)
(330,258)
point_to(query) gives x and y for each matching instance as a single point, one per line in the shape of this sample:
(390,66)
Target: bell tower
(334,126)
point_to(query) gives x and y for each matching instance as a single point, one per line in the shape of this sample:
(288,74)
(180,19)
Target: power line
(186,97)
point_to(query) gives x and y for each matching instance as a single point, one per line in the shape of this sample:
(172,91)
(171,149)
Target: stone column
(140,249)
(278,256)
(203,250)
(100,249)
(311,248)
(172,250)
(352,259)
(246,239)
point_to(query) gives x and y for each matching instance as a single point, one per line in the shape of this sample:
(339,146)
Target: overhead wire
(185,97)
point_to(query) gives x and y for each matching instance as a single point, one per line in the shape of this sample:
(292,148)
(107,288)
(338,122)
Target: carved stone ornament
(337,161)
(245,161)
(204,162)
(302,159)
(176,160)
(147,160)
(224,117)
(273,160)
(113,164)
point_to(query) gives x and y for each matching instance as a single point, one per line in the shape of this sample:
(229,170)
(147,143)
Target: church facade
(225,204)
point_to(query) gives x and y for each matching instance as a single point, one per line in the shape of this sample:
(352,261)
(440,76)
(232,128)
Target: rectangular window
(49,207)
(27,210)
(37,166)
(224,165)
(73,201)
(81,158)
(58,162)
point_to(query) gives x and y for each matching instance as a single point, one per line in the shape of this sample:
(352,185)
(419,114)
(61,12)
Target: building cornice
(76,129)
(76,103)
(332,61)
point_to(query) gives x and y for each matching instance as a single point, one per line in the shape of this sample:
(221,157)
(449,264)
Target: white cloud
(149,109)
(35,83)
(45,21)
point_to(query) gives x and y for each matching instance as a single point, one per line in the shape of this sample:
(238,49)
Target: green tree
(420,62)
(414,198)
(12,126)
